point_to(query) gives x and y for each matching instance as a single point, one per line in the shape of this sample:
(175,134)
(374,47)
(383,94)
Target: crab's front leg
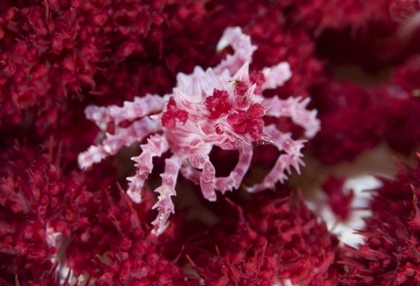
(165,205)
(207,175)
(233,181)
(222,184)
(190,173)
(292,158)
(156,145)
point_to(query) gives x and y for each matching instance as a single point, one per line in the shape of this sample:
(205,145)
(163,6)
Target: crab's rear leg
(291,158)
(156,145)
(243,50)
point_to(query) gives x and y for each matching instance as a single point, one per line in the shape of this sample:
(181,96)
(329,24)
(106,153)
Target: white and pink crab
(221,106)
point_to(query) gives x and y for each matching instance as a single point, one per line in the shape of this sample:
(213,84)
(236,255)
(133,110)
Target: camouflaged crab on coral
(221,106)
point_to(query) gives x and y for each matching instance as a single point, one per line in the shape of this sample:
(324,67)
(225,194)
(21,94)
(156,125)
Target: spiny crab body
(221,106)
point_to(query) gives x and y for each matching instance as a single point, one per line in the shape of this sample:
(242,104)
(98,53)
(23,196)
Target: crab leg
(295,108)
(233,181)
(165,205)
(141,106)
(122,137)
(190,173)
(207,174)
(242,46)
(156,145)
(283,142)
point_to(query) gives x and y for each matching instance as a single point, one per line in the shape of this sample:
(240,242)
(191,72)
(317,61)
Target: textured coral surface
(209,142)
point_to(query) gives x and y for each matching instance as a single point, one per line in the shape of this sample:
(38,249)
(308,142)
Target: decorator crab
(221,106)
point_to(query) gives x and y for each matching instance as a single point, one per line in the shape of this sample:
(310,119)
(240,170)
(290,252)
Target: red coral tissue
(182,102)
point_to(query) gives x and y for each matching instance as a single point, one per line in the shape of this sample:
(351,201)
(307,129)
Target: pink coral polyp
(220,106)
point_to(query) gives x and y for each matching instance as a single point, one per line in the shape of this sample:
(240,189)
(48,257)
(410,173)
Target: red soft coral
(266,241)
(51,220)
(390,253)
(55,51)
(348,128)
(32,193)
(114,245)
